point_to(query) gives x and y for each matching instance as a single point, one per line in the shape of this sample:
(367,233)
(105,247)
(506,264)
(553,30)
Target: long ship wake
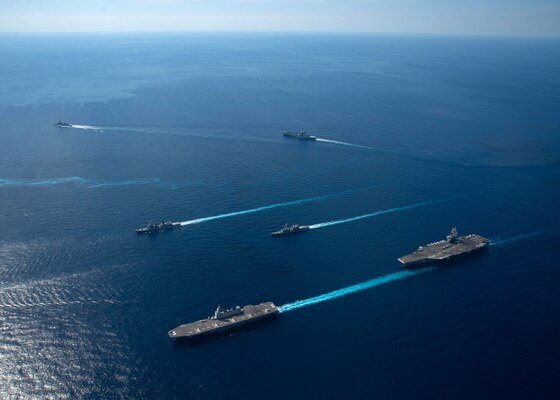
(87,127)
(88,183)
(156,130)
(501,242)
(374,214)
(264,208)
(335,294)
(344,143)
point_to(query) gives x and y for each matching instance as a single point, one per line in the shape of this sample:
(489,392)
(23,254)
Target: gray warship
(302,135)
(158,227)
(223,320)
(61,124)
(453,245)
(288,229)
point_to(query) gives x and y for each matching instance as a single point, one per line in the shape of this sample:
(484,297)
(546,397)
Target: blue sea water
(418,134)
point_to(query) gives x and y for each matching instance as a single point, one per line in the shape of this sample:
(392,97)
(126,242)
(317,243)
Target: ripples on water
(85,303)
(86,182)
(51,353)
(81,288)
(48,348)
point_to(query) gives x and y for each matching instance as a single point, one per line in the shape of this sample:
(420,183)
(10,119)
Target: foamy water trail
(77,180)
(335,294)
(263,208)
(374,214)
(501,242)
(154,130)
(344,143)
(88,127)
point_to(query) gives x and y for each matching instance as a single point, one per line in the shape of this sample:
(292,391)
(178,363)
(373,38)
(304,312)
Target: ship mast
(217,312)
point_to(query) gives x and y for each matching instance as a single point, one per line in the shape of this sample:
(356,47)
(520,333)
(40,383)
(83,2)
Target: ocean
(417,134)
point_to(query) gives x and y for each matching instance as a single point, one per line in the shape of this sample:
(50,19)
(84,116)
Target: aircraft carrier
(453,245)
(223,320)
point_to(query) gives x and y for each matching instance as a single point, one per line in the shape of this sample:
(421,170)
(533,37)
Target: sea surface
(417,134)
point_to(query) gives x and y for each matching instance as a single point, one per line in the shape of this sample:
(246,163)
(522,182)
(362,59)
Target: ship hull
(304,138)
(147,231)
(300,137)
(144,231)
(224,330)
(213,326)
(442,252)
(454,259)
(156,230)
(289,233)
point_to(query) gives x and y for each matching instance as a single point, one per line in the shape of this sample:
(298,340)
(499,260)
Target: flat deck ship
(223,320)
(454,245)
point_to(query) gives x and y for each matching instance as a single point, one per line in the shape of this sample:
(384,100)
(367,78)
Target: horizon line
(287,32)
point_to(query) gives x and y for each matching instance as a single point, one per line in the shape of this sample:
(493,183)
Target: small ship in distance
(158,227)
(223,320)
(61,124)
(289,229)
(453,245)
(301,135)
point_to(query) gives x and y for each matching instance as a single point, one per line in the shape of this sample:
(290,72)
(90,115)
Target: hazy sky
(481,17)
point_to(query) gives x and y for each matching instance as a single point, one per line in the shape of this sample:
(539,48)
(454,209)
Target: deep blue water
(432,132)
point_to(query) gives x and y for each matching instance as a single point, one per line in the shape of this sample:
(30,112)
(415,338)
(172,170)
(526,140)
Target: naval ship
(288,229)
(453,245)
(155,227)
(223,320)
(302,135)
(61,124)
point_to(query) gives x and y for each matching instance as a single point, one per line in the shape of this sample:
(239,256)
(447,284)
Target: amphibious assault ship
(454,245)
(288,229)
(61,124)
(223,320)
(302,135)
(155,227)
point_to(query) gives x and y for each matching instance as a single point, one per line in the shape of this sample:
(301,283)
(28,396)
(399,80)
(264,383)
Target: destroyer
(288,229)
(302,135)
(223,320)
(453,246)
(61,124)
(155,227)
